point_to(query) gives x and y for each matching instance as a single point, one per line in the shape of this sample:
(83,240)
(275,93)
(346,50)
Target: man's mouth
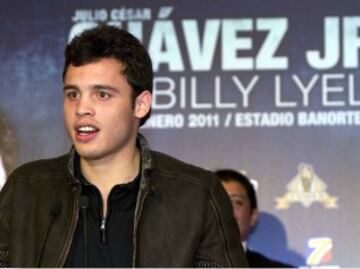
(86,130)
(86,133)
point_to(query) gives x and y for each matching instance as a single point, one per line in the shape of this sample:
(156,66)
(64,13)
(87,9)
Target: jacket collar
(147,163)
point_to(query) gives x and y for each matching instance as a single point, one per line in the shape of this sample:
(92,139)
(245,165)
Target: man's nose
(84,107)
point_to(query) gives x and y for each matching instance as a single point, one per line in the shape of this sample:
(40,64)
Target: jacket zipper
(104,217)
(103,230)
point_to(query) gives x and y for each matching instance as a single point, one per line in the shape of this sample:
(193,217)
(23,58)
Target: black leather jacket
(183,217)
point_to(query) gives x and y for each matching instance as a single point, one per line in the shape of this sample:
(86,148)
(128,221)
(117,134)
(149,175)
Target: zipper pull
(103,230)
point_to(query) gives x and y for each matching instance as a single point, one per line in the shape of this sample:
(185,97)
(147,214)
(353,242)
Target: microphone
(84,204)
(55,210)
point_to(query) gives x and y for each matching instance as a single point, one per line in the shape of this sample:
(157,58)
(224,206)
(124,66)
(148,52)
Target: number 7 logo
(321,252)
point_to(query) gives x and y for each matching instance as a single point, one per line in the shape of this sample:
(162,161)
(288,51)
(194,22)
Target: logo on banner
(321,251)
(306,188)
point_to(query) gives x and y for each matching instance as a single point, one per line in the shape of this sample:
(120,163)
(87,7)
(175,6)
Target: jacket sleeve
(5,207)
(221,245)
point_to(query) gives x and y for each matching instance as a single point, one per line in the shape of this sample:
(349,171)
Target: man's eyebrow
(70,87)
(237,195)
(94,87)
(103,87)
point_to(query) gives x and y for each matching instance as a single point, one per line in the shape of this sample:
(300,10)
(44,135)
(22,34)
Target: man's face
(244,215)
(100,118)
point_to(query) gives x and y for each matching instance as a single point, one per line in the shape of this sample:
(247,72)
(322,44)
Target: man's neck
(108,172)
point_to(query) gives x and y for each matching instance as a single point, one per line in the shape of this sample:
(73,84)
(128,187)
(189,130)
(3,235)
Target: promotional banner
(269,88)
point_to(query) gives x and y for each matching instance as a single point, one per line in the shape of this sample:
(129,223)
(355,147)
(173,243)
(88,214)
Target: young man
(243,197)
(111,201)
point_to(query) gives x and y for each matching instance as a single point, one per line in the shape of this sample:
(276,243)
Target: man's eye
(103,95)
(237,202)
(72,95)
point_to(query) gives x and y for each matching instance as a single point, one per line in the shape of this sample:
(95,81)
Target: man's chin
(87,154)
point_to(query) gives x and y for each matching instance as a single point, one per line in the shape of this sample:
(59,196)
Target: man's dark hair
(7,145)
(106,41)
(227,175)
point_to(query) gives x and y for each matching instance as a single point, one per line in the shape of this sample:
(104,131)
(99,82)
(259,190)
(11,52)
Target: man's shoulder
(172,167)
(259,260)
(42,168)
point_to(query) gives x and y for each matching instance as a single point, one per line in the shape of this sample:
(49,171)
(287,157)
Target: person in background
(7,150)
(243,197)
(112,201)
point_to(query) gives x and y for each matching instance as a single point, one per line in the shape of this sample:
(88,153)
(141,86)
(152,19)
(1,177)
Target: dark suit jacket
(258,260)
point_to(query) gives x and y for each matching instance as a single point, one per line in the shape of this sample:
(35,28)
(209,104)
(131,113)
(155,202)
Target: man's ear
(254,217)
(143,104)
